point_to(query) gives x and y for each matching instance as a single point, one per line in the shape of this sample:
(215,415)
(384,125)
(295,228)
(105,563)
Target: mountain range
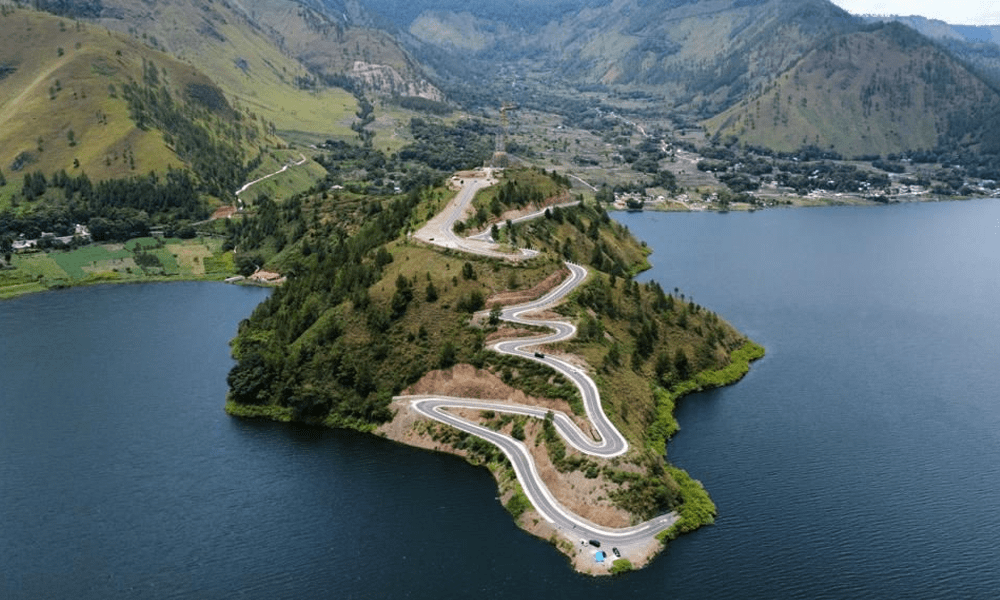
(774,73)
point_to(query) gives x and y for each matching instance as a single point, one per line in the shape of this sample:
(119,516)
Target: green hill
(63,99)
(873,92)
(291,63)
(242,57)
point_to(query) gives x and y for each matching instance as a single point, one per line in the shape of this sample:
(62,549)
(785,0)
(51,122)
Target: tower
(500,158)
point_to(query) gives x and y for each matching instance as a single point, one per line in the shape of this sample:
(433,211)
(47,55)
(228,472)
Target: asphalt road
(440,230)
(609,442)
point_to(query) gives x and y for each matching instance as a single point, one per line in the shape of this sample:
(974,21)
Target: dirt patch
(587,498)
(563,198)
(466,381)
(543,287)
(544,315)
(223,212)
(510,333)
(405,428)
(267,277)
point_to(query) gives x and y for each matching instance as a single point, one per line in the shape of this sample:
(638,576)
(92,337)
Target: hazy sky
(957,12)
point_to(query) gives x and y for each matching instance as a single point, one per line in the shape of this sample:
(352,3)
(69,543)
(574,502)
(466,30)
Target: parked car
(616,552)
(595,543)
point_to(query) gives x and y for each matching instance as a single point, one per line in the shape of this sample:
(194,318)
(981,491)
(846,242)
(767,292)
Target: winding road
(605,441)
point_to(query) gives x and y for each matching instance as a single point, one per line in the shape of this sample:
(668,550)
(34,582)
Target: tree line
(113,210)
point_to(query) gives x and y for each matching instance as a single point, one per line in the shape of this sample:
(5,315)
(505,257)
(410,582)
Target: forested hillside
(74,97)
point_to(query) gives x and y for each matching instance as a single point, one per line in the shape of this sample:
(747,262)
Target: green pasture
(100,263)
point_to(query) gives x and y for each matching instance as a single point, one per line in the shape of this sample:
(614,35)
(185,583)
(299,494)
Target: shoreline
(100,263)
(131,281)
(791,202)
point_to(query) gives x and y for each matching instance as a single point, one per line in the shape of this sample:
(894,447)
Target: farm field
(140,259)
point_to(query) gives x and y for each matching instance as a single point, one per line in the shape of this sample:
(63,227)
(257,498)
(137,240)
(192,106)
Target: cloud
(987,17)
(960,12)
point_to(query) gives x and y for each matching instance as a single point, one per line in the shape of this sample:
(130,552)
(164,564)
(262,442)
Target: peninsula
(528,349)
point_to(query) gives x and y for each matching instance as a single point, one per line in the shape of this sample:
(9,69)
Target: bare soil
(466,381)
(223,212)
(514,297)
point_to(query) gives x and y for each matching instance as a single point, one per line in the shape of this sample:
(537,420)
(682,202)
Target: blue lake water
(858,459)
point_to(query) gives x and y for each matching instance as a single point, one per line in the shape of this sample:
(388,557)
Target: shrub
(621,565)
(517,504)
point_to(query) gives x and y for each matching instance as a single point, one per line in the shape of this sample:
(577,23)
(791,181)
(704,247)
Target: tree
(250,380)
(247,263)
(614,356)
(517,431)
(448,355)
(431,293)
(467,271)
(663,367)
(681,364)
(471,303)
(495,314)
(605,194)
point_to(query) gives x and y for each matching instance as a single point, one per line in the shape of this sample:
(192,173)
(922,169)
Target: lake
(859,458)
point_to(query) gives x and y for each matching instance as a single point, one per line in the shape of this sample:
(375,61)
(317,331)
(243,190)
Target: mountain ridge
(915,96)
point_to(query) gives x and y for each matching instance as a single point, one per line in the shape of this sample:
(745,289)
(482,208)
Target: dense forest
(334,270)
(113,210)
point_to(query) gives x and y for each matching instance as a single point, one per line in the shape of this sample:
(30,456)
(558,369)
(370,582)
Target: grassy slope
(821,100)
(698,51)
(244,61)
(34,113)
(297,178)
